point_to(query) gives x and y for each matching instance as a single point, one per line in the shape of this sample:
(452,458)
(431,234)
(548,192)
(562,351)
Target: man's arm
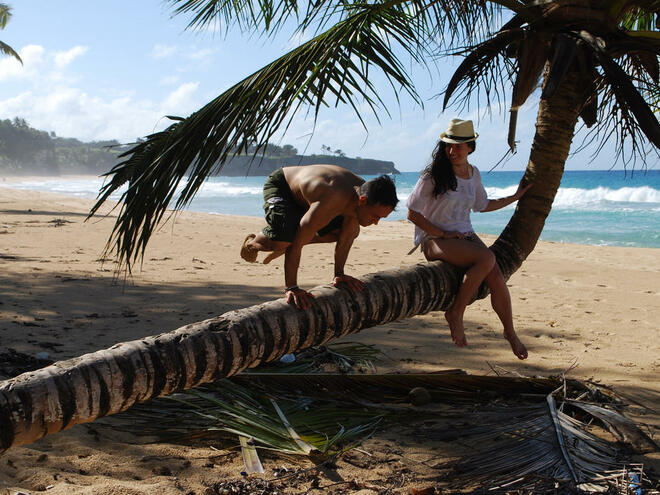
(350,230)
(318,215)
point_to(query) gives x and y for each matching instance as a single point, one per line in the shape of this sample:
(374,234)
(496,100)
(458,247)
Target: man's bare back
(327,183)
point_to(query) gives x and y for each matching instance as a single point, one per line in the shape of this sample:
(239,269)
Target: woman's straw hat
(459,131)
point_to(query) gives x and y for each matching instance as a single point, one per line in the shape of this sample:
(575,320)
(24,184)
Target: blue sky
(113,70)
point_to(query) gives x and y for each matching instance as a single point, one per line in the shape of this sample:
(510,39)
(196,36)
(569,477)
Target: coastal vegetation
(25,150)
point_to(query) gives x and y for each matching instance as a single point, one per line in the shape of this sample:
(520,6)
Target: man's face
(371,214)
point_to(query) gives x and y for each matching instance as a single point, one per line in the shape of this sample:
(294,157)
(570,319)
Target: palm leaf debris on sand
(499,433)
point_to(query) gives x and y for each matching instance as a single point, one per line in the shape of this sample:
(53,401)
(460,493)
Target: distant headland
(246,165)
(25,150)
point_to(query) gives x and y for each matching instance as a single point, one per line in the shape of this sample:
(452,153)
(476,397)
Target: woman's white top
(449,211)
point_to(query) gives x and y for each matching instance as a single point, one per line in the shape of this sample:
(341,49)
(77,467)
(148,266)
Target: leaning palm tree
(5,15)
(598,60)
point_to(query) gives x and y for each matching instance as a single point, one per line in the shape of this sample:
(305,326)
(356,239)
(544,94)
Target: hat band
(458,138)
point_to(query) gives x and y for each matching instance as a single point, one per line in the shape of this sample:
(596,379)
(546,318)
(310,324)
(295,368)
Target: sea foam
(607,198)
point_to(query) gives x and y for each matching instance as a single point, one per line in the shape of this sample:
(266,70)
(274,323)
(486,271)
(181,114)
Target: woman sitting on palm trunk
(439,206)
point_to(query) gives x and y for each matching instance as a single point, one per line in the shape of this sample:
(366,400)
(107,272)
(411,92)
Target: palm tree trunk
(106,382)
(555,127)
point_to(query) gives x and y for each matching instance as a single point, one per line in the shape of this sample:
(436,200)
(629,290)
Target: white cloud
(72,112)
(203,54)
(32,56)
(181,101)
(169,80)
(163,51)
(49,98)
(63,59)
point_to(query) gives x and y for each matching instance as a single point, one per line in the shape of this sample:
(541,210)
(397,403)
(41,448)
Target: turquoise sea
(610,208)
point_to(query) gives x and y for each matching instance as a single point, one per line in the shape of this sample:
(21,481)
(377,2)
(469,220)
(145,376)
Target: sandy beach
(594,309)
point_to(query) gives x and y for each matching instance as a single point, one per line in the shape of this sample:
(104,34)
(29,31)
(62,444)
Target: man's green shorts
(283,214)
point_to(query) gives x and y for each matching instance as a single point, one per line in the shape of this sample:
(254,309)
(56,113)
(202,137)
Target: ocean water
(609,208)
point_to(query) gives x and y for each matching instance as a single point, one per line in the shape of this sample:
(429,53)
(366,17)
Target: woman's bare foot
(518,347)
(456,327)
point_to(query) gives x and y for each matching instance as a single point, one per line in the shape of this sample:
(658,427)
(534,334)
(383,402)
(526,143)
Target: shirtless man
(317,203)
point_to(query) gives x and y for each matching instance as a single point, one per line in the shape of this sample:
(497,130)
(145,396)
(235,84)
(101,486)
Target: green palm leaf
(332,68)
(5,15)
(8,50)
(245,13)
(438,19)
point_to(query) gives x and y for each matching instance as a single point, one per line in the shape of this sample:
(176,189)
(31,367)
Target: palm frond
(624,429)
(649,62)
(332,68)
(8,50)
(5,15)
(520,446)
(248,14)
(444,20)
(484,68)
(640,19)
(295,425)
(518,438)
(629,99)
(459,22)
(564,50)
(532,56)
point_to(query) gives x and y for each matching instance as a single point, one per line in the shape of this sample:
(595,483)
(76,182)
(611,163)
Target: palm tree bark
(555,128)
(106,382)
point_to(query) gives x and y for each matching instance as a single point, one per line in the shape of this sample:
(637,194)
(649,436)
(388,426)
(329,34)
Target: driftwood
(109,381)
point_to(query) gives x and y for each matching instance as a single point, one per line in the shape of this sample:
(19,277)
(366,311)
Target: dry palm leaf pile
(489,434)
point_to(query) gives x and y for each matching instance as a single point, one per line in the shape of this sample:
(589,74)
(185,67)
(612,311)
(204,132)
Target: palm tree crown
(605,52)
(5,15)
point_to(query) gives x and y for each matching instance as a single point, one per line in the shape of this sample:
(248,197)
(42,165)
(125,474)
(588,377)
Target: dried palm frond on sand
(497,433)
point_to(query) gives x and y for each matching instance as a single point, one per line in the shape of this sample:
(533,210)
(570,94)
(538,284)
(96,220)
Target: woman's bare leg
(501,302)
(479,261)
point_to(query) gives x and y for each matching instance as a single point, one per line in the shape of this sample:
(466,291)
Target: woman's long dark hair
(440,169)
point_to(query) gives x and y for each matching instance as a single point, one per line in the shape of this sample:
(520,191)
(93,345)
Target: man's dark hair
(380,190)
